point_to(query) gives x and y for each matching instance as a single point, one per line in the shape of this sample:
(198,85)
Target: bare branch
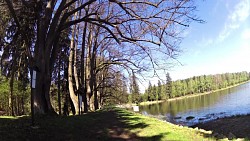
(13,13)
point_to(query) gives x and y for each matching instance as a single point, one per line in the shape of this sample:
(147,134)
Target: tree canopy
(82,45)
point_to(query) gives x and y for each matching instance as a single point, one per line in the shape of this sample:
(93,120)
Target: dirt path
(237,126)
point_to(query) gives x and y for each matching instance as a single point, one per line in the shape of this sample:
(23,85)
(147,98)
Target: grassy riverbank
(108,124)
(235,126)
(191,95)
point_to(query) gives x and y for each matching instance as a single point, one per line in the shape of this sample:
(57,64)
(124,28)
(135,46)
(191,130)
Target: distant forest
(193,85)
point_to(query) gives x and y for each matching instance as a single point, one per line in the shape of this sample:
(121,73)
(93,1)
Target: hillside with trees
(193,85)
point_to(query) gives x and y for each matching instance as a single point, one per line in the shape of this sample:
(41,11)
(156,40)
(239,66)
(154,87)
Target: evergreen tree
(135,91)
(196,84)
(154,91)
(145,96)
(150,92)
(159,90)
(168,86)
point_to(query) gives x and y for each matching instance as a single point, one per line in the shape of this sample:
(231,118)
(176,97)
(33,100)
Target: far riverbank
(191,95)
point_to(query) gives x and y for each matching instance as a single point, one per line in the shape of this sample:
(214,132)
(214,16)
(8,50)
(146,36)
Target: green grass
(153,129)
(107,124)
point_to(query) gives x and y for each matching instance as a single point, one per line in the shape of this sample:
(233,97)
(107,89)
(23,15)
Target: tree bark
(93,71)
(73,96)
(75,70)
(11,94)
(59,85)
(88,81)
(83,74)
(42,104)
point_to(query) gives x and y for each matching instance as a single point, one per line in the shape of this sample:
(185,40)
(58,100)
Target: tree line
(20,98)
(79,49)
(193,85)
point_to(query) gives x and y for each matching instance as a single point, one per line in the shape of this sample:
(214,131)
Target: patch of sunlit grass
(150,127)
(9,117)
(13,117)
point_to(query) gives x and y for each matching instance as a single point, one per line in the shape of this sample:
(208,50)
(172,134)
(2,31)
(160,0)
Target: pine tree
(135,91)
(154,91)
(168,86)
(150,92)
(159,90)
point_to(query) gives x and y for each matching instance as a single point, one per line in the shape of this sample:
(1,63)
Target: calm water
(233,101)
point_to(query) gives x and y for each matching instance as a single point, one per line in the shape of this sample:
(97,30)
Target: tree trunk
(73,96)
(95,97)
(42,104)
(93,83)
(23,105)
(11,101)
(75,70)
(93,70)
(83,74)
(88,81)
(59,85)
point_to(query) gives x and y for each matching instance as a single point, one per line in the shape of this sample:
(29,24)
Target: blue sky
(220,45)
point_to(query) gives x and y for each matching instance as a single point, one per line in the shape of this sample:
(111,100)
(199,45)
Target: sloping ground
(108,124)
(236,126)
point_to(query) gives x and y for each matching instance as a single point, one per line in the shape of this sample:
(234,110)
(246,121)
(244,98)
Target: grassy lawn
(107,124)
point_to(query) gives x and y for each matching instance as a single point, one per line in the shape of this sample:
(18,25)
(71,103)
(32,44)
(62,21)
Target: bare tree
(144,27)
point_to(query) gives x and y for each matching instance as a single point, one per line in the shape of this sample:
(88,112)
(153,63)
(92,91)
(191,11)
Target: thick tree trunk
(93,83)
(88,71)
(75,60)
(75,71)
(42,104)
(83,66)
(73,96)
(93,76)
(95,98)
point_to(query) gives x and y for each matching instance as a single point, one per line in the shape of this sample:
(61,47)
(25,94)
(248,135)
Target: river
(202,108)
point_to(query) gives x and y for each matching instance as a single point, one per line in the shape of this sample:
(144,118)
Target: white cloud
(239,14)
(246,34)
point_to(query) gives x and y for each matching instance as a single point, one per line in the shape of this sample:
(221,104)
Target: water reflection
(204,107)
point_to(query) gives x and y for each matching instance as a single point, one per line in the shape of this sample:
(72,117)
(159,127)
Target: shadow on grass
(114,124)
(106,125)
